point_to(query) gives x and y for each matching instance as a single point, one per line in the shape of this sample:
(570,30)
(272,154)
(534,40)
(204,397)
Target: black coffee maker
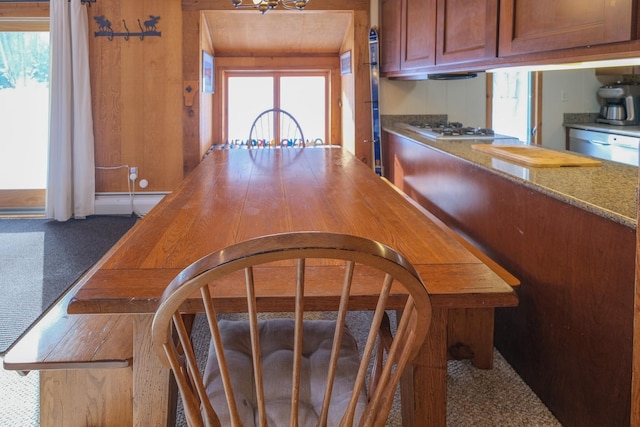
(619,104)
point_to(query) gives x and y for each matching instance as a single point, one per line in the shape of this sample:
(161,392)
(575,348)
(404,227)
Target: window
(304,96)
(24,112)
(514,104)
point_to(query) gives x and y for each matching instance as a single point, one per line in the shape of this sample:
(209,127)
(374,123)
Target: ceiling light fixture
(266,5)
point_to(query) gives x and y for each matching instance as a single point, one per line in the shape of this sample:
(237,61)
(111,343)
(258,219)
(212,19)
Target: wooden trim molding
(536,107)
(489,100)
(24,9)
(22,198)
(24,24)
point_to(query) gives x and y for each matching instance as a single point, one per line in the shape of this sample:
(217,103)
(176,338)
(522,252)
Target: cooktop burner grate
(452,130)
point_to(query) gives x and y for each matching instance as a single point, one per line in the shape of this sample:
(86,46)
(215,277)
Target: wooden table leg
(85,397)
(154,394)
(424,383)
(470,335)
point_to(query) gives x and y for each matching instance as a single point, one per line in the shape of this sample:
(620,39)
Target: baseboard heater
(125,203)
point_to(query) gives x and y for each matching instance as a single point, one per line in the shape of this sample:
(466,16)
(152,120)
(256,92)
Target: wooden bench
(469,331)
(85,367)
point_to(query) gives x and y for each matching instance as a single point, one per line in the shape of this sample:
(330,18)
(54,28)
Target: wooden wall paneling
(313,5)
(162,149)
(201,126)
(341,123)
(137,88)
(30,10)
(362,75)
(208,120)
(134,77)
(335,128)
(191,60)
(347,95)
(105,70)
(291,33)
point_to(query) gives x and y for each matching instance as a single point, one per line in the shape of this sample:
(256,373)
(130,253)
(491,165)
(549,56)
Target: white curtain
(71,174)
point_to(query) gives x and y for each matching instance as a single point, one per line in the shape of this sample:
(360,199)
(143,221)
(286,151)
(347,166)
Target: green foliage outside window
(32,65)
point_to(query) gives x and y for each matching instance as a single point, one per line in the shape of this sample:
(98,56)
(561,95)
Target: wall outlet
(564,96)
(133,173)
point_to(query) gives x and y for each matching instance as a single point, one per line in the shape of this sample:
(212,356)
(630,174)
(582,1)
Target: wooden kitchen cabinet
(466,31)
(546,25)
(407,36)
(390,25)
(418,34)
(417,38)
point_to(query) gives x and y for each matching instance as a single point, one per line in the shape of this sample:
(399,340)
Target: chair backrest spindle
(275,128)
(295,371)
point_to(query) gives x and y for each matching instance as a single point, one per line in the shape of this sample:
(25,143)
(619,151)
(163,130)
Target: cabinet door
(544,25)
(418,38)
(389,36)
(467,30)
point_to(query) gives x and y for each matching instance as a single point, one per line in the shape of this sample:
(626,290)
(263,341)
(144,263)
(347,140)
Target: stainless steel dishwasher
(603,145)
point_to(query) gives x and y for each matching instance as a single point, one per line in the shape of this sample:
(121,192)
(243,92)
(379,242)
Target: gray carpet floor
(40,259)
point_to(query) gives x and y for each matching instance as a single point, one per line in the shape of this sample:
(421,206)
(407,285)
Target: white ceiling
(248,32)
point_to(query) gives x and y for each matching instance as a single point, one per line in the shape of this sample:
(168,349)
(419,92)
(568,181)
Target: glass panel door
(302,96)
(309,109)
(24,118)
(248,97)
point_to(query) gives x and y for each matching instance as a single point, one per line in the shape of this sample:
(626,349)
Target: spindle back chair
(294,371)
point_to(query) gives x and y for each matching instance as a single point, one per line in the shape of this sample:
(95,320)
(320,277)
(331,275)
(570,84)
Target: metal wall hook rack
(105,30)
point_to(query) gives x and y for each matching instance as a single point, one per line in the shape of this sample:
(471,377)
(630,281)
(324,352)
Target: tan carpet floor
(479,398)
(476,397)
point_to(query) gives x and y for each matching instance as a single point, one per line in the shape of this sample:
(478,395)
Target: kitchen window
(303,95)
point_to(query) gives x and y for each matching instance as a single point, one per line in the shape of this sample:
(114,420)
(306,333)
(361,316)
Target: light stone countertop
(609,190)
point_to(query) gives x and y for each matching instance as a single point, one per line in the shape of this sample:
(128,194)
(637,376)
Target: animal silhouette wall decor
(149,29)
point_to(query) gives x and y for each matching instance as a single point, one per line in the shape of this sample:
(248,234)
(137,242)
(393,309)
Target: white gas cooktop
(454,130)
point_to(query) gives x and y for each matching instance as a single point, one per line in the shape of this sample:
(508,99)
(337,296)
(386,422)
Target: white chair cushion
(276,338)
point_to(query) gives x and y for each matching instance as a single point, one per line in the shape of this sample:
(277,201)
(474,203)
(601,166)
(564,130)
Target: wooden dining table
(238,194)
